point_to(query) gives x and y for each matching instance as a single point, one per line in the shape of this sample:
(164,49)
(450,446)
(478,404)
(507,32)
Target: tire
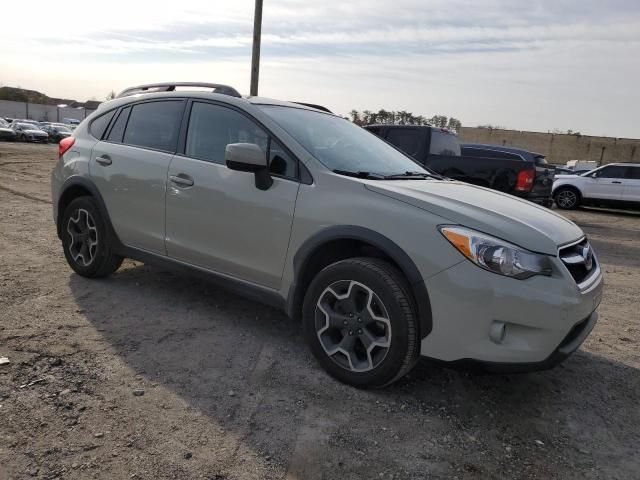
(88,251)
(567,198)
(384,346)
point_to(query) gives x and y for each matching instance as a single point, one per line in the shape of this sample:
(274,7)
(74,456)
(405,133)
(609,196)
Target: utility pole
(255,57)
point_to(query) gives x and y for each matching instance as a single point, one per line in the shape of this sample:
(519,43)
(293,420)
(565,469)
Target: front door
(216,217)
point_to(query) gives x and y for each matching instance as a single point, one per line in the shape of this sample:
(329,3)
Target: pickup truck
(510,170)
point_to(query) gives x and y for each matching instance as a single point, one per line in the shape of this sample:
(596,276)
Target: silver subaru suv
(381,260)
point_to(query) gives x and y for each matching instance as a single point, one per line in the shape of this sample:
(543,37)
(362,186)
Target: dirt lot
(151,374)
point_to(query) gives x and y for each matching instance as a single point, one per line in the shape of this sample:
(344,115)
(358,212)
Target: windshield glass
(27,126)
(339,144)
(61,129)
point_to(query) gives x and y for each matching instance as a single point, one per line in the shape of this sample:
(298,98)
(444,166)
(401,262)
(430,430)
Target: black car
(438,149)
(544,172)
(27,132)
(57,132)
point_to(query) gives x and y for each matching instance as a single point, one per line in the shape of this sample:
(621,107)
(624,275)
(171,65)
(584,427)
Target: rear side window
(444,143)
(155,125)
(212,128)
(100,124)
(115,135)
(406,139)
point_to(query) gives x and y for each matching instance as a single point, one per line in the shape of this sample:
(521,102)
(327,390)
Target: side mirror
(249,157)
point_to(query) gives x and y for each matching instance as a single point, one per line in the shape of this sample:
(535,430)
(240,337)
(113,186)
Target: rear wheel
(360,322)
(567,198)
(85,240)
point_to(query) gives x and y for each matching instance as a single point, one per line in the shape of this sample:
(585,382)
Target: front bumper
(542,319)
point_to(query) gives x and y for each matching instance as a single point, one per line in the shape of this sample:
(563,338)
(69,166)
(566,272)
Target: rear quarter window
(100,124)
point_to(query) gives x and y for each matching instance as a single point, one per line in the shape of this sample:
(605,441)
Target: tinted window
(99,125)
(280,162)
(444,143)
(406,139)
(635,173)
(154,125)
(212,128)
(614,171)
(115,135)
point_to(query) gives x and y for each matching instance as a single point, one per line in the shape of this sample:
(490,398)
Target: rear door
(606,183)
(129,168)
(216,217)
(631,189)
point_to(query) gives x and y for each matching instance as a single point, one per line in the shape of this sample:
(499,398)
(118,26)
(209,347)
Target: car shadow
(245,367)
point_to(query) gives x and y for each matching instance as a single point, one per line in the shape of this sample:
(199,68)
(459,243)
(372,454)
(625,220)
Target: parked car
(544,172)
(27,132)
(57,132)
(512,171)
(6,134)
(616,184)
(381,260)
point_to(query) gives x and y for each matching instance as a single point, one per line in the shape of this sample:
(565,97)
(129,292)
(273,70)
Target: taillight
(525,180)
(64,145)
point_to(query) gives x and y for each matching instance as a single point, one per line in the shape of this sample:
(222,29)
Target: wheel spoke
(353,325)
(83,235)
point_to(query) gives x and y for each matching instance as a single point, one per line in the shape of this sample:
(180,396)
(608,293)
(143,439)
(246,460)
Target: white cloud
(553,64)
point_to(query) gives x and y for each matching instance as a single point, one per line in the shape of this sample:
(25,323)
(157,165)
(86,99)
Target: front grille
(579,260)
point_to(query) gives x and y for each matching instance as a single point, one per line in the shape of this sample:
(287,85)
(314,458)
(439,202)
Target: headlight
(496,255)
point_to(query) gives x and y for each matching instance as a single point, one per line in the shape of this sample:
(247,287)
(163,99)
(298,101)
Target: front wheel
(360,322)
(85,240)
(567,198)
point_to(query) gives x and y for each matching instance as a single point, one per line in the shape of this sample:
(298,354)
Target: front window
(339,144)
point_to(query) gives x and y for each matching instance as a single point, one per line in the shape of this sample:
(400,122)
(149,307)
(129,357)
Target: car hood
(566,175)
(5,129)
(504,216)
(35,132)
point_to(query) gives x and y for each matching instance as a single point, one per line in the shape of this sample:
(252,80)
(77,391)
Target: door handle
(615,181)
(104,160)
(182,180)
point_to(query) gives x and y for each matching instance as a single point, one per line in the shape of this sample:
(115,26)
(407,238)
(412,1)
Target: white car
(616,184)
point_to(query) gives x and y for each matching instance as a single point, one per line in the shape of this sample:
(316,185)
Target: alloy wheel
(353,326)
(566,199)
(83,237)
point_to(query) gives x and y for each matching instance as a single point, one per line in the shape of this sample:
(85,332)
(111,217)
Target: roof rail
(313,105)
(171,86)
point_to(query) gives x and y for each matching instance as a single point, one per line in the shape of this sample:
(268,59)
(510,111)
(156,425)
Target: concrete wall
(559,148)
(40,113)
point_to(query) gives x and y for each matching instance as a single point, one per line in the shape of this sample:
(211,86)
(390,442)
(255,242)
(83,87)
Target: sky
(527,65)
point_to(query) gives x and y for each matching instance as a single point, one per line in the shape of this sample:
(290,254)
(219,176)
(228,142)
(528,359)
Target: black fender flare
(384,244)
(85,183)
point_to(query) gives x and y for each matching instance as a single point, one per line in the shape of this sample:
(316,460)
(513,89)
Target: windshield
(27,126)
(339,144)
(61,129)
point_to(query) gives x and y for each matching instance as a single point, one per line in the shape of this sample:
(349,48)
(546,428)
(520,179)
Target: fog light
(497,332)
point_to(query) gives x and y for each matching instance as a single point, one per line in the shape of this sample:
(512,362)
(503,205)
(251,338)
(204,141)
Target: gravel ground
(150,374)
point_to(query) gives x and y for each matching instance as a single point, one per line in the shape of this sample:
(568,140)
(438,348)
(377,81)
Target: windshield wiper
(360,174)
(412,176)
